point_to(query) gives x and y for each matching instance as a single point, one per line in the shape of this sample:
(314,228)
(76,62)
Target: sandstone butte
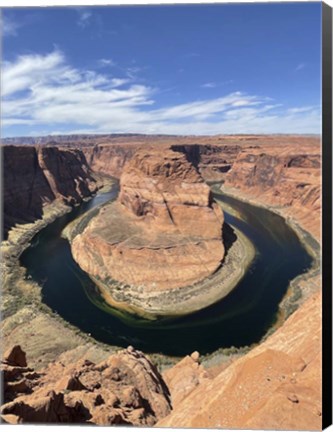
(163,232)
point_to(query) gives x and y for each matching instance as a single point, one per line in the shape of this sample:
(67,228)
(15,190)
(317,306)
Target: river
(240,319)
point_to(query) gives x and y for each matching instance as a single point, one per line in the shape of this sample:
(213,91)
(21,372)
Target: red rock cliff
(284,176)
(277,385)
(35,176)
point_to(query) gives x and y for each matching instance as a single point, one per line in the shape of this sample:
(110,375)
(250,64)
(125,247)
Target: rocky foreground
(277,385)
(125,389)
(163,233)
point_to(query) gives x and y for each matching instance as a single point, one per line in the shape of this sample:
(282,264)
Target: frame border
(327,213)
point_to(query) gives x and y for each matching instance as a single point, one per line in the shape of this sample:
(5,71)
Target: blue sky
(200,69)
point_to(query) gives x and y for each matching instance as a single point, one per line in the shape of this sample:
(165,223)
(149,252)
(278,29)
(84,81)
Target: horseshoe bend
(162,247)
(275,383)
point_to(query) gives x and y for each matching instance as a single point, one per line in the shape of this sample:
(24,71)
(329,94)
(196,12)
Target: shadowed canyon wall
(36,176)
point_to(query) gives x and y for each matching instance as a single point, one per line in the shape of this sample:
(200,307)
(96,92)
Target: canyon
(34,177)
(275,385)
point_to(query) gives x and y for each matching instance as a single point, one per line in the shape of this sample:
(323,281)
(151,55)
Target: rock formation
(184,377)
(212,160)
(126,389)
(284,176)
(277,385)
(36,176)
(164,232)
(109,159)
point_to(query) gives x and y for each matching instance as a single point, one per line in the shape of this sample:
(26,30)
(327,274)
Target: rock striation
(125,389)
(277,385)
(109,159)
(164,231)
(36,176)
(212,160)
(287,177)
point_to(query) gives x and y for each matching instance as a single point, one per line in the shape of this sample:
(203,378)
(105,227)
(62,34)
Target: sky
(199,69)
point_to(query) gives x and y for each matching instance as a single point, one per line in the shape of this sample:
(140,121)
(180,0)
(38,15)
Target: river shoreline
(178,301)
(187,300)
(20,240)
(296,293)
(24,315)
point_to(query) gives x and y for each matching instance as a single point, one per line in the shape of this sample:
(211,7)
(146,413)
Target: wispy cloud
(46,92)
(209,85)
(299,110)
(299,67)
(118,82)
(212,84)
(106,62)
(132,72)
(8,26)
(84,17)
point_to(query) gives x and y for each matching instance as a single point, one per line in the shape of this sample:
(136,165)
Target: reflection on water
(240,319)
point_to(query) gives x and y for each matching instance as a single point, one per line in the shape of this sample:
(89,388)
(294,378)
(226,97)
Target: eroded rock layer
(287,177)
(164,232)
(277,385)
(36,176)
(125,389)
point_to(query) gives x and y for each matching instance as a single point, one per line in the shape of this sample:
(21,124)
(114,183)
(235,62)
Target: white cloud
(44,92)
(8,26)
(132,72)
(118,82)
(209,85)
(106,62)
(84,18)
(29,70)
(298,110)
